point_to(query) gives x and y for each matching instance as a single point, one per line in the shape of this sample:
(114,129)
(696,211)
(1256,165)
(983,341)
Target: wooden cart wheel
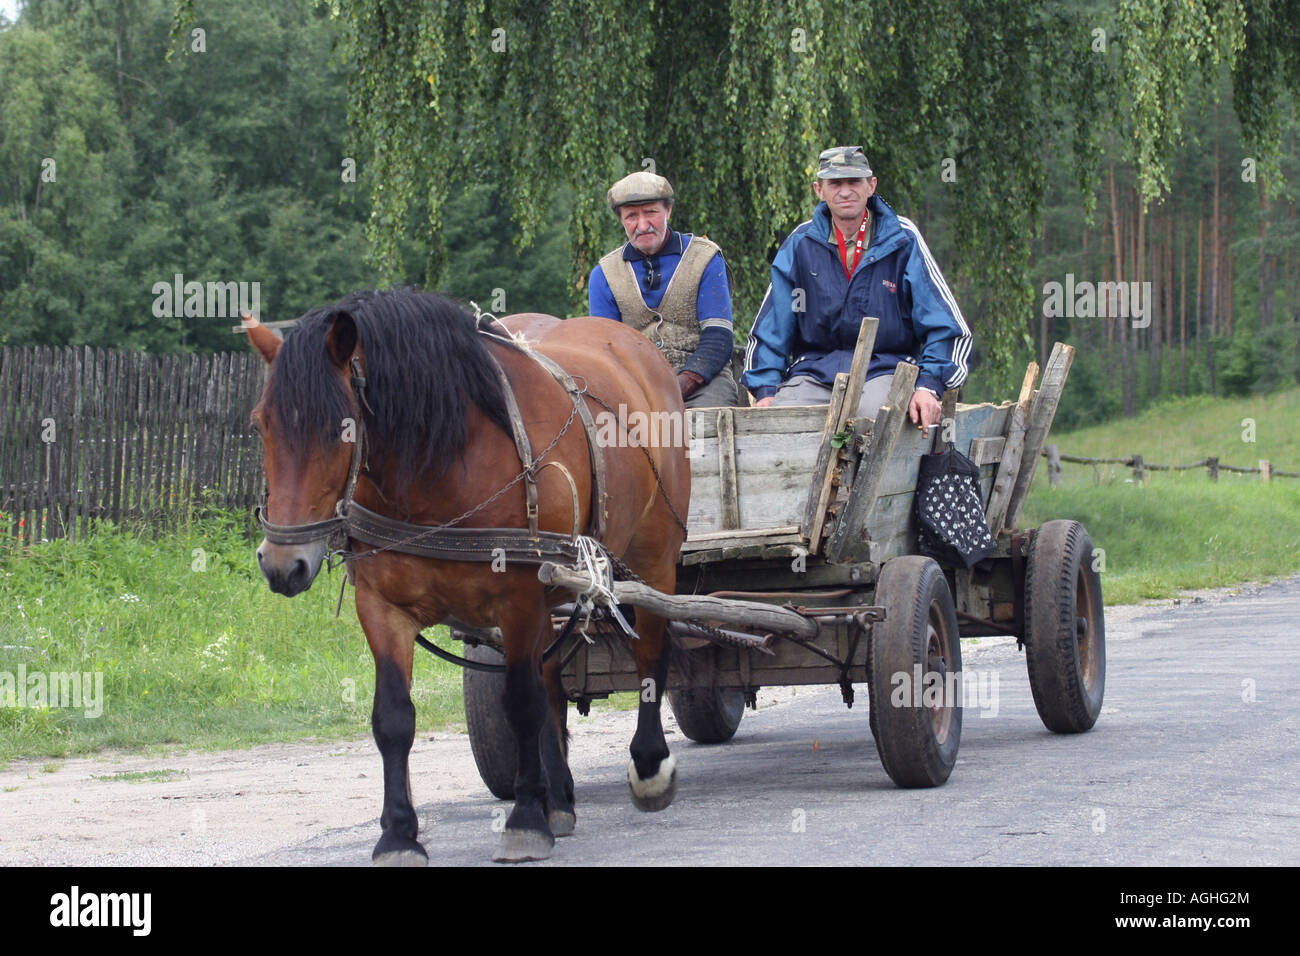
(708,715)
(1065,628)
(490,737)
(917,726)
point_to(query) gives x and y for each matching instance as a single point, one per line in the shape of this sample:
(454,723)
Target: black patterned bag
(950,522)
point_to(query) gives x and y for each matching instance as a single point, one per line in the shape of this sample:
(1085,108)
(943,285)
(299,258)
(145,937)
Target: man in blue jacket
(856,257)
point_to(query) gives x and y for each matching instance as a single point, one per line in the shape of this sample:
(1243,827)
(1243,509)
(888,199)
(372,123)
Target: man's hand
(689,383)
(925,410)
(764,402)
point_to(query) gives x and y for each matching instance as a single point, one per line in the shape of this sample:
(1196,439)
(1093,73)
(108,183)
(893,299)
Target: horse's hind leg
(652,772)
(393,723)
(528,834)
(555,755)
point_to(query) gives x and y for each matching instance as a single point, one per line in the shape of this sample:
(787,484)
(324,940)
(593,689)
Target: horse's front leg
(391,635)
(652,772)
(528,834)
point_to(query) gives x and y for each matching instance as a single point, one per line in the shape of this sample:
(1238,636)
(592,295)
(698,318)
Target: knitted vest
(675,326)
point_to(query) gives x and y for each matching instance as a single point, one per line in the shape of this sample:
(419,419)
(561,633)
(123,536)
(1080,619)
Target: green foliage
(732,104)
(199,654)
(222,165)
(1239,361)
(1159,40)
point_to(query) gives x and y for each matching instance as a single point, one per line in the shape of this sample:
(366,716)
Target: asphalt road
(1194,761)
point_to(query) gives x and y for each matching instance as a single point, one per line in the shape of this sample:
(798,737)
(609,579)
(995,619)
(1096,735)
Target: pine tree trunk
(1267,264)
(1226,293)
(1200,281)
(1214,252)
(1182,314)
(1157,308)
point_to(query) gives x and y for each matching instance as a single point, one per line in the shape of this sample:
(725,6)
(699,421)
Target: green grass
(1181,431)
(194,650)
(1180,530)
(143,776)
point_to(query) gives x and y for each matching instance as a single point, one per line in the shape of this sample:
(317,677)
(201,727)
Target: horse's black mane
(424,363)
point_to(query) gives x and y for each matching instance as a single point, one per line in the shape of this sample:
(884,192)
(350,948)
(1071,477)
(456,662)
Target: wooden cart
(801,567)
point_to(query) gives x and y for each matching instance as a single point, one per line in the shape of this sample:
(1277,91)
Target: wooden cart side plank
(702,423)
(786,535)
(819,490)
(727,483)
(819,493)
(1009,469)
(847,542)
(859,367)
(1040,423)
(771,474)
(987,451)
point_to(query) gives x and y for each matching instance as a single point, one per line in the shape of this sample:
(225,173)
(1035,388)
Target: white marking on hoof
(401,858)
(657,792)
(561,823)
(520,846)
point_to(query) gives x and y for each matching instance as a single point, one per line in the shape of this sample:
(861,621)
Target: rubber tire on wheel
(1065,628)
(490,737)
(917,745)
(708,715)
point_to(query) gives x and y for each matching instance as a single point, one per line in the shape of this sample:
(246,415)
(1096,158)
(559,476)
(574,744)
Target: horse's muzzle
(290,569)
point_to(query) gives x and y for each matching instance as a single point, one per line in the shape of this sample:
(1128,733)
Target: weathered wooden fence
(1141,466)
(139,439)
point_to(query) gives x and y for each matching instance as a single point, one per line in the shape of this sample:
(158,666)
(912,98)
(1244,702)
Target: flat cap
(639,187)
(843,162)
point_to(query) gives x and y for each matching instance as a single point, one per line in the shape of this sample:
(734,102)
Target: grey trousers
(803,390)
(721,392)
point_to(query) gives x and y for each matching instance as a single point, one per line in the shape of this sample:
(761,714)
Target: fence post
(1265,469)
(1054,465)
(1213,465)
(1139,473)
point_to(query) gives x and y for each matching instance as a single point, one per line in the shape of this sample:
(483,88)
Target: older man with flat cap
(672,287)
(855,257)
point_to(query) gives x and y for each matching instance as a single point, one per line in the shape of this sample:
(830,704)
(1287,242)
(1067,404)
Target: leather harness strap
(521,443)
(457,544)
(596,525)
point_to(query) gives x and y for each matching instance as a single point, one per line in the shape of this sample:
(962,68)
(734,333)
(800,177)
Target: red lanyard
(857,249)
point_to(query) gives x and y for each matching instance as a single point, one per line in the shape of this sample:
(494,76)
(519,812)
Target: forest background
(317,148)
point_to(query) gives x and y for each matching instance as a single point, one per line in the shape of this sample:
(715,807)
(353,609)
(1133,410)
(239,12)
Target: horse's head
(309,422)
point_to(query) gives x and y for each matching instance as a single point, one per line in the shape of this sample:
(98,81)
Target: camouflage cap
(639,187)
(843,162)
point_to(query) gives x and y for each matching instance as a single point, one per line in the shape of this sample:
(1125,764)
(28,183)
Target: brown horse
(415,373)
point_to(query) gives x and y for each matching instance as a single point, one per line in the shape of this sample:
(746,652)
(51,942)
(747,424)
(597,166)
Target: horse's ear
(260,337)
(341,341)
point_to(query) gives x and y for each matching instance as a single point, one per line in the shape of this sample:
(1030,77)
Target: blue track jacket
(896,280)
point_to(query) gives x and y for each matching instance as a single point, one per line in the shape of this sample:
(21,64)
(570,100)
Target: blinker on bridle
(292,534)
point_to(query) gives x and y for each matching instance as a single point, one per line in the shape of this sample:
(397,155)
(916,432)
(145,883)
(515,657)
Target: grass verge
(193,650)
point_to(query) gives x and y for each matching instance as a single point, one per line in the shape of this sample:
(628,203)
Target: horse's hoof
(562,822)
(657,792)
(401,858)
(394,850)
(520,846)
